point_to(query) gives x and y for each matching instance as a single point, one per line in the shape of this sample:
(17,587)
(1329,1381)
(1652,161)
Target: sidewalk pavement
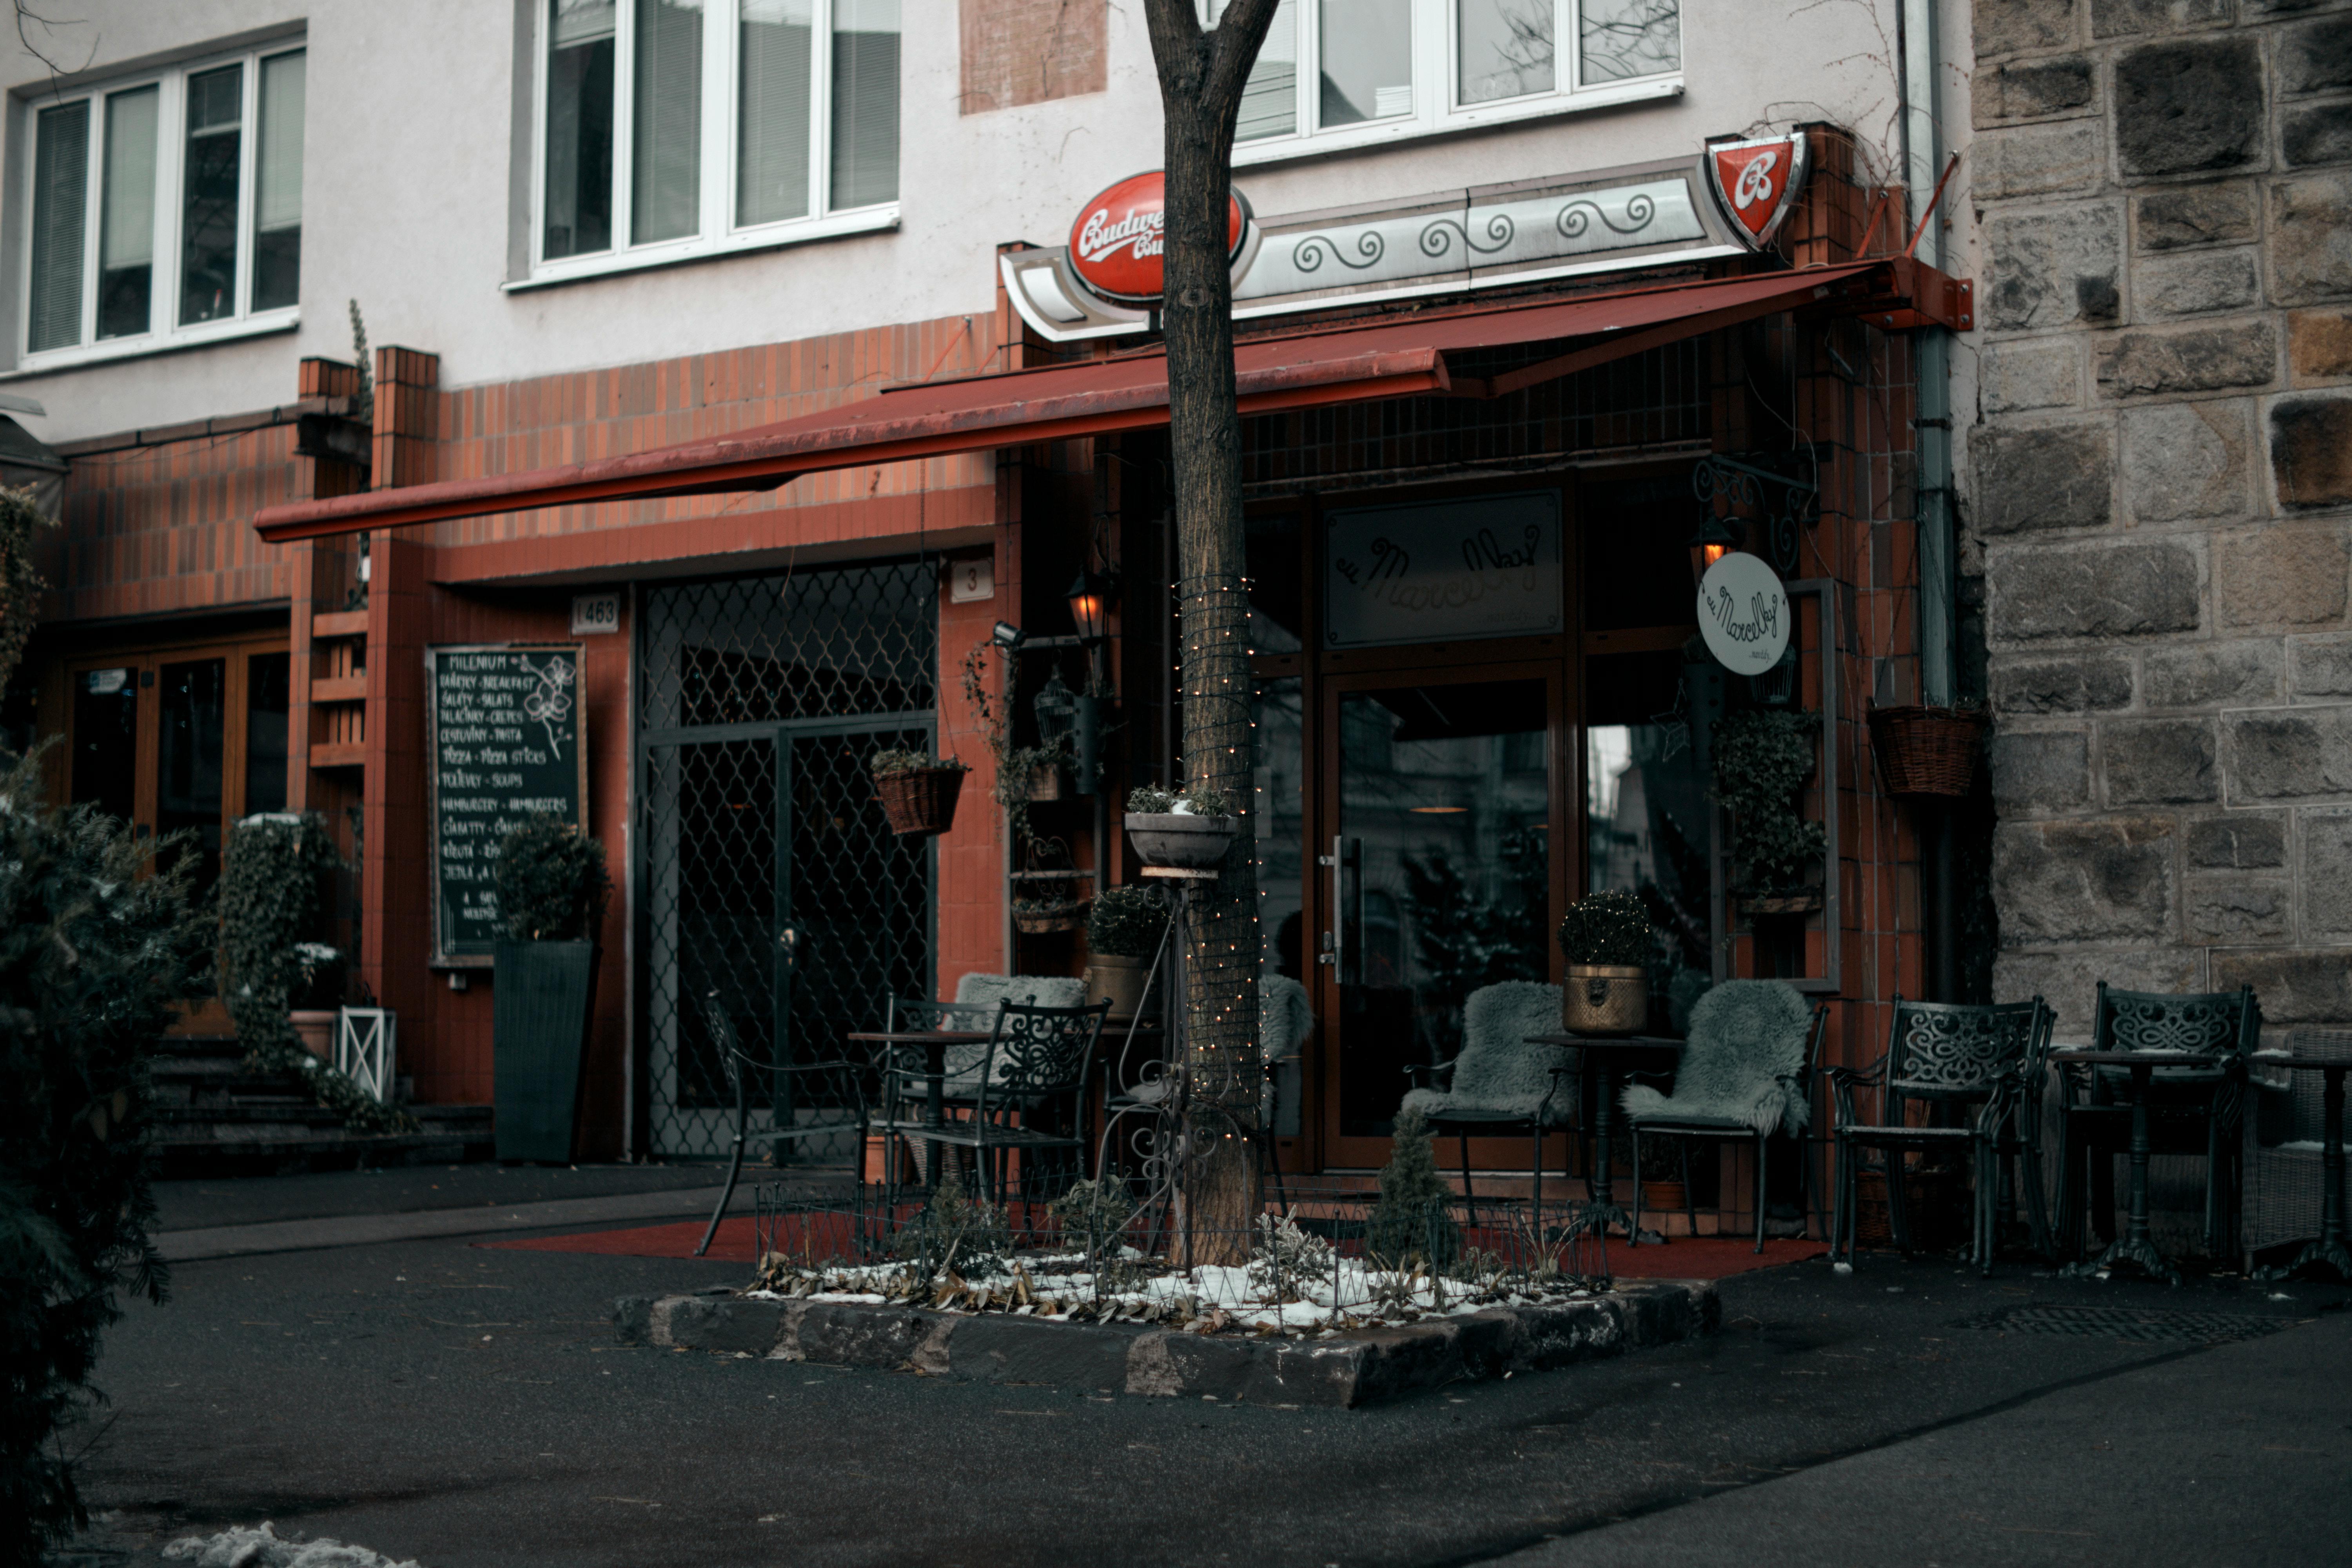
(2232,1455)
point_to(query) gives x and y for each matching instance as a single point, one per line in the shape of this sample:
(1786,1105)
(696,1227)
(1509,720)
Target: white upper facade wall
(418,161)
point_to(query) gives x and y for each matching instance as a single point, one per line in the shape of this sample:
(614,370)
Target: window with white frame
(678,126)
(1339,71)
(166,208)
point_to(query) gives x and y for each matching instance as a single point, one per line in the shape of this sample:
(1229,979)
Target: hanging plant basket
(920,802)
(1176,839)
(1037,919)
(1926,751)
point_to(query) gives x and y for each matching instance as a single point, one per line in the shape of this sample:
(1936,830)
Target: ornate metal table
(2134,1246)
(2327,1052)
(1606,1059)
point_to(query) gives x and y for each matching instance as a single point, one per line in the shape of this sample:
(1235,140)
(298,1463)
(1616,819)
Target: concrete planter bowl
(1173,838)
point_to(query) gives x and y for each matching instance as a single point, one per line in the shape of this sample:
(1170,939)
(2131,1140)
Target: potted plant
(1928,751)
(1123,936)
(1191,828)
(1023,773)
(551,886)
(1762,757)
(1038,917)
(917,789)
(1605,938)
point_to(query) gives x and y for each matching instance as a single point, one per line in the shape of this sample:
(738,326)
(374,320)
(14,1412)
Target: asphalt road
(464,1406)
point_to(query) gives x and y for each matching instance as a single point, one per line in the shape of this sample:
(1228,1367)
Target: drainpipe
(1923,159)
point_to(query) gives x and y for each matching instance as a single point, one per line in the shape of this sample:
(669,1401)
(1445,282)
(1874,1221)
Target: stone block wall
(2159,485)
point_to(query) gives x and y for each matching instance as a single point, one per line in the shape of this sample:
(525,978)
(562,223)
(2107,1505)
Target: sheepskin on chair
(1744,1034)
(1500,1076)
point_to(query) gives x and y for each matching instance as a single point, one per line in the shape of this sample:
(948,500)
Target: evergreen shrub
(1612,927)
(94,951)
(1410,1222)
(551,883)
(1127,922)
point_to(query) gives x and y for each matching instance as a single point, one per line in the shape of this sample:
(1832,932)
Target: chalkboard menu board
(509,741)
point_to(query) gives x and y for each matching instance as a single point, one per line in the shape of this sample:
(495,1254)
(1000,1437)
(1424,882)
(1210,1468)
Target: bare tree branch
(28,17)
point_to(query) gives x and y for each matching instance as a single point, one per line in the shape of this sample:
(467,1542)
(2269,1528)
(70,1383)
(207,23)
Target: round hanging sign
(1743,614)
(1116,245)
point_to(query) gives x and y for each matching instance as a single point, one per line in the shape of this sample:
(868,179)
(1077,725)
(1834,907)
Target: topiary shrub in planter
(93,954)
(1123,936)
(1409,1224)
(1606,941)
(552,886)
(1762,757)
(274,871)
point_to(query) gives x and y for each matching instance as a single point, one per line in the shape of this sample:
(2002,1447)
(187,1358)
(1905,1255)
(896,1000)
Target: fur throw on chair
(1745,1035)
(1500,1076)
(1285,1016)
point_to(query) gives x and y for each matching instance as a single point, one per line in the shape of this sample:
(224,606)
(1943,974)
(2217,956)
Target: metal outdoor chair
(2193,1111)
(1028,1098)
(826,1099)
(1683,1116)
(1983,1067)
(1500,1084)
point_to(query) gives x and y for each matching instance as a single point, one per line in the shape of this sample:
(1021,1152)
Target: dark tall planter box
(538,1044)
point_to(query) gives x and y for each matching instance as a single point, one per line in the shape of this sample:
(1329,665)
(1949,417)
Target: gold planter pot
(1604,998)
(1119,979)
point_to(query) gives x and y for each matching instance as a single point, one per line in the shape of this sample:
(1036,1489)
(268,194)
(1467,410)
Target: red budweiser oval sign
(1116,245)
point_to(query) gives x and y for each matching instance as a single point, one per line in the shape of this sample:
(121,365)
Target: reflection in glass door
(1278,812)
(1440,871)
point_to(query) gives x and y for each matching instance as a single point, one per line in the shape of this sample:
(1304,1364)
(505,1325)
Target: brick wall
(1026,51)
(2162,495)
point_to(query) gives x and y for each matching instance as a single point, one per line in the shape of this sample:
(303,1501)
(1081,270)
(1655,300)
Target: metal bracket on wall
(1736,484)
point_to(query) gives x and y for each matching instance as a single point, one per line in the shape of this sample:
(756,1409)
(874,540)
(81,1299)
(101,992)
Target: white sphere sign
(1743,614)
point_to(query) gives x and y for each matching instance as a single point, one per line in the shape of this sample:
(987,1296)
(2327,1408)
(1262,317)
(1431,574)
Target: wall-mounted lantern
(1711,544)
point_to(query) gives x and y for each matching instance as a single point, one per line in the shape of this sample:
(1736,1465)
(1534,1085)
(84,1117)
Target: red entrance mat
(1685,1257)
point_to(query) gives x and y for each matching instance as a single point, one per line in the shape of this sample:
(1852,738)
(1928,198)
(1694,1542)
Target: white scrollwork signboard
(1743,614)
(1483,568)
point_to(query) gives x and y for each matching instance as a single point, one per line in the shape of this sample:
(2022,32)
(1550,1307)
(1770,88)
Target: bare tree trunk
(1202,75)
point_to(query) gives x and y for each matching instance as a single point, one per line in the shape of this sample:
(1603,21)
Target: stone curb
(1351,1369)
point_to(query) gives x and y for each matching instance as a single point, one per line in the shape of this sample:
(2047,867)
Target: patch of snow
(238,1547)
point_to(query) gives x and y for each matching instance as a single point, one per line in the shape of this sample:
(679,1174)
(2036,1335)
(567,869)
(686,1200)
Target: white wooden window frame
(164,331)
(719,234)
(1437,109)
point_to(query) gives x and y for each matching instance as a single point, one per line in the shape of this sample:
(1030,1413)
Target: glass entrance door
(1438,868)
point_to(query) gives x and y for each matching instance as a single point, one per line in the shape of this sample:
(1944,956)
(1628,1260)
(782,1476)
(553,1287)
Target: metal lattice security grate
(2148,1325)
(761,701)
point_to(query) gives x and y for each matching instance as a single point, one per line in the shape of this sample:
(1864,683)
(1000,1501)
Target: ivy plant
(274,872)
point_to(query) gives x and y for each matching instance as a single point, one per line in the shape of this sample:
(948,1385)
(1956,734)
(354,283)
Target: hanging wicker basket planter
(1926,751)
(1038,919)
(920,802)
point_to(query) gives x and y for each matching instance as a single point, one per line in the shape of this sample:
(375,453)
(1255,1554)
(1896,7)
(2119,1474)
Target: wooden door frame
(145,660)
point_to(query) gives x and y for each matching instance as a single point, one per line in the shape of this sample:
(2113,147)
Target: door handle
(1335,940)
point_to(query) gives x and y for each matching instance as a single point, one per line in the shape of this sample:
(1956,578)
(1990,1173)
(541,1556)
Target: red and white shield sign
(1756,181)
(1116,243)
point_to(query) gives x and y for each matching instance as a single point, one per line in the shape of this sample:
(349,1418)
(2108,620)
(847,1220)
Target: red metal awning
(1342,364)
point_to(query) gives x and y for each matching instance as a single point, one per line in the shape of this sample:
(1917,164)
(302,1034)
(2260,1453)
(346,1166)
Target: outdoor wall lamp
(1711,544)
(1090,597)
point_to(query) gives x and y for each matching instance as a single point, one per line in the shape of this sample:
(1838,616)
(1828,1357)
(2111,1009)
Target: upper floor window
(1334,73)
(689,125)
(167,208)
